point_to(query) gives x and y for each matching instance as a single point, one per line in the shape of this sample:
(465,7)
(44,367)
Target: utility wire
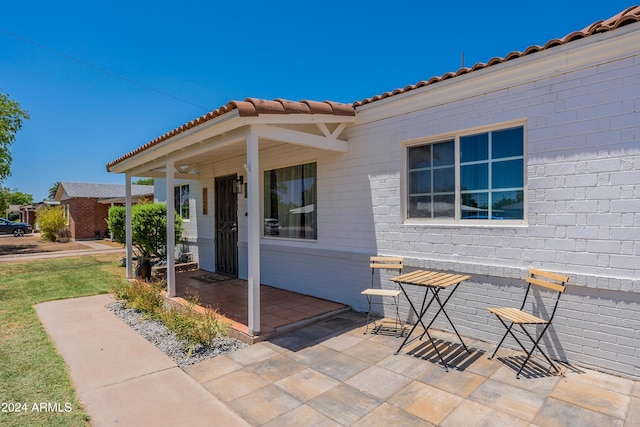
(102,70)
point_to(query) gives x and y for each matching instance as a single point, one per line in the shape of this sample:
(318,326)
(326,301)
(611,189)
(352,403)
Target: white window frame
(457,221)
(179,211)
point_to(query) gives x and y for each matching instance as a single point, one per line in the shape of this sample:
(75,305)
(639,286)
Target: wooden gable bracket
(336,132)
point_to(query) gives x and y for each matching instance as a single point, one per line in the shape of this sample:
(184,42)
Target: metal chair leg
(369,314)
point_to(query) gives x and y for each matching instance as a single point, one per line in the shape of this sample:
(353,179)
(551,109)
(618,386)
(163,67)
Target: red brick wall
(86,217)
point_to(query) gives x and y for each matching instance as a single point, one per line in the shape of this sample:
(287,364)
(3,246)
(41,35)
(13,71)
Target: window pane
(507,174)
(181,200)
(444,180)
(474,177)
(474,148)
(508,205)
(290,202)
(420,157)
(475,206)
(432,171)
(443,154)
(507,143)
(420,182)
(420,207)
(444,206)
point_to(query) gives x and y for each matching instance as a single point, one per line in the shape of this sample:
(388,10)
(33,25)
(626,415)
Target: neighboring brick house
(87,205)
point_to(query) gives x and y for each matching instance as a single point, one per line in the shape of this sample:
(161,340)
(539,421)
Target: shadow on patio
(280,310)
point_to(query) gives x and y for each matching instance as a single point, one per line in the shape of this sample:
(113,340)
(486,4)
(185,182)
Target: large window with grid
(477,176)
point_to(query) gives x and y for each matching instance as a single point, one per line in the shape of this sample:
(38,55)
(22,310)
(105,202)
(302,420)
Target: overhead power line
(100,69)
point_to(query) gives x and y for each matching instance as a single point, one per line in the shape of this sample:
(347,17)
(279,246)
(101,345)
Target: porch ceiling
(222,134)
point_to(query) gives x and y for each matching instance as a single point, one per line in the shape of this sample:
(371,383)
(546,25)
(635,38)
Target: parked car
(271,227)
(18,229)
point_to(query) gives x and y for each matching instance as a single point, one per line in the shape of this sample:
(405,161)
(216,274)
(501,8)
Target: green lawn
(31,372)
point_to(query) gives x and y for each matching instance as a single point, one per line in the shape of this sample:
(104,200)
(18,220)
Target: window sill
(288,240)
(467,224)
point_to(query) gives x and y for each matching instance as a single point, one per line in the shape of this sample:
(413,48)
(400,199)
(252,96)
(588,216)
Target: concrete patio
(332,374)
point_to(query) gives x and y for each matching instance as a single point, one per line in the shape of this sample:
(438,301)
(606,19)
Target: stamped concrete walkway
(326,374)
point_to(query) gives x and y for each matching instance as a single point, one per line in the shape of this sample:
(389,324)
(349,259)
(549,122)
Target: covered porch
(282,311)
(227,144)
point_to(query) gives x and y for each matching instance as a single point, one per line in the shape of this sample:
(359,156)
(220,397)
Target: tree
(20,198)
(5,193)
(13,197)
(143,181)
(53,190)
(11,117)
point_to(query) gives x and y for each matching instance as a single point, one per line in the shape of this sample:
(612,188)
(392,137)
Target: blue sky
(101,78)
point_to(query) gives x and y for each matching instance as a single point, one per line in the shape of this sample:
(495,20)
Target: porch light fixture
(238,185)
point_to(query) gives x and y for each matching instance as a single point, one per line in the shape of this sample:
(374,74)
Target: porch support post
(128,227)
(253,200)
(171,233)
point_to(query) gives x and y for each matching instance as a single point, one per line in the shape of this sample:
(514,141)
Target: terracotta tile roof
(251,107)
(627,16)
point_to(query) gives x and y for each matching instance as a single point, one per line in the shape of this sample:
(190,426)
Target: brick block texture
(87,217)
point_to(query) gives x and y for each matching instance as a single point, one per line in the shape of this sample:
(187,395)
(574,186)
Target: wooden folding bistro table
(434,282)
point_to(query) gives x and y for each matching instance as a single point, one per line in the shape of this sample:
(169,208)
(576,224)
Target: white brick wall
(583,162)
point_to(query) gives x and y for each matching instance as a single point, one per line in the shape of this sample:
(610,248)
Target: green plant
(197,326)
(148,228)
(139,295)
(11,118)
(51,219)
(13,197)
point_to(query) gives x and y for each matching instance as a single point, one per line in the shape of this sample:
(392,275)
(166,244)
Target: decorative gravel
(160,336)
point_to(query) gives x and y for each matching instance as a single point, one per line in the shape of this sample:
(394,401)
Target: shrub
(51,219)
(148,228)
(143,296)
(117,223)
(193,326)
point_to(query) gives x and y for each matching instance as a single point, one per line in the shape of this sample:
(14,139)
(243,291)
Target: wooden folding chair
(513,316)
(377,263)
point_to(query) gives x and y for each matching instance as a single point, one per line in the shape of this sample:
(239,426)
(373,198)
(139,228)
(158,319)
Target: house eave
(218,133)
(211,128)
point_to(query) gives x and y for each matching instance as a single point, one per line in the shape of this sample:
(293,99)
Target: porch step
(160,271)
(240,331)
